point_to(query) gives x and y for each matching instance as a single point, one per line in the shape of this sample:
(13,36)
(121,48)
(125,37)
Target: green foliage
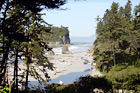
(119,77)
(57,34)
(115,41)
(117,46)
(4,89)
(84,85)
(56,88)
(88,83)
(21,35)
(36,5)
(127,10)
(125,77)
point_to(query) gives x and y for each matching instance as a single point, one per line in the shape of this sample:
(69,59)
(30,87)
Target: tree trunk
(15,85)
(27,74)
(5,48)
(16,70)
(114,55)
(27,71)
(4,60)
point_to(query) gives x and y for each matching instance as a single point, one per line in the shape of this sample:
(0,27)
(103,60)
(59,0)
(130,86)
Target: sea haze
(78,39)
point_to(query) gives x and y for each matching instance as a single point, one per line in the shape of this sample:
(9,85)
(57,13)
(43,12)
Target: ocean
(78,44)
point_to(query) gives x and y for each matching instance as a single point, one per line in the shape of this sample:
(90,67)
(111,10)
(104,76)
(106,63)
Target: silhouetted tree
(17,28)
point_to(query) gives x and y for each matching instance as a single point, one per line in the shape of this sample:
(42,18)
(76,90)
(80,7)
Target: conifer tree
(127,10)
(114,32)
(13,26)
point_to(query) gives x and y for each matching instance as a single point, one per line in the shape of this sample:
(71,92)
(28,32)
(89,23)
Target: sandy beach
(63,63)
(67,63)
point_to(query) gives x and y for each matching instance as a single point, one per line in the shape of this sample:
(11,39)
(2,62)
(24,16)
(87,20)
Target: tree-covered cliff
(58,35)
(117,47)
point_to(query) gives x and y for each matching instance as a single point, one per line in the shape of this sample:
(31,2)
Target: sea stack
(65,50)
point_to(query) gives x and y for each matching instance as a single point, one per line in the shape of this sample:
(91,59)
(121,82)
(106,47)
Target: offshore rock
(65,50)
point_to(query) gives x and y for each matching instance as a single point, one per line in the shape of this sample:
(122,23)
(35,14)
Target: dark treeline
(21,35)
(117,47)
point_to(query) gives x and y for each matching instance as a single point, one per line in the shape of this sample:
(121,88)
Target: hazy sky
(80,15)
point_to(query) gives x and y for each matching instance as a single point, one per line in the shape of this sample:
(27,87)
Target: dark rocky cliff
(65,39)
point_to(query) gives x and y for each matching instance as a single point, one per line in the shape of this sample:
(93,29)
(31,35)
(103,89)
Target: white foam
(72,47)
(57,50)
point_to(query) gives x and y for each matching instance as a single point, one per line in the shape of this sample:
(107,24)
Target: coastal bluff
(59,36)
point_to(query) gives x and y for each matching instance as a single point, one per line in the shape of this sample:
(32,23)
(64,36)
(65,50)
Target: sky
(80,16)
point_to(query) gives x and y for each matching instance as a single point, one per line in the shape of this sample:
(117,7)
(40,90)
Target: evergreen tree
(127,10)
(114,34)
(17,28)
(99,28)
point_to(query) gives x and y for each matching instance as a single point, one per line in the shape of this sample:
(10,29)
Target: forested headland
(58,36)
(117,47)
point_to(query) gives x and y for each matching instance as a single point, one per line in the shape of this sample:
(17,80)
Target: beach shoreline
(63,64)
(68,63)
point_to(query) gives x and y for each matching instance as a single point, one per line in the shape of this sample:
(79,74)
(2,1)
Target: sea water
(75,47)
(78,44)
(66,79)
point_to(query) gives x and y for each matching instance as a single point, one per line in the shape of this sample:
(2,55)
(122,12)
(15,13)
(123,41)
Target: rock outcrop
(65,50)
(64,39)
(50,52)
(59,36)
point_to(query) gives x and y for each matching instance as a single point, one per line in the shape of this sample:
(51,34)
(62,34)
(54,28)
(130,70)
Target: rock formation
(50,52)
(64,39)
(65,50)
(59,36)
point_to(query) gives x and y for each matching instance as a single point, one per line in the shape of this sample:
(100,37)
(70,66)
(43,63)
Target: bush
(123,77)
